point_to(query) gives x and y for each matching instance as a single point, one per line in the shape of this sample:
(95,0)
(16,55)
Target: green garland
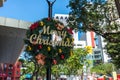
(41,46)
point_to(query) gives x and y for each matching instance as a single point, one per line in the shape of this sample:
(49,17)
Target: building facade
(10,71)
(12,33)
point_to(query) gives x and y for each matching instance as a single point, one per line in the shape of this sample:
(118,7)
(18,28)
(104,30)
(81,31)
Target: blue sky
(32,10)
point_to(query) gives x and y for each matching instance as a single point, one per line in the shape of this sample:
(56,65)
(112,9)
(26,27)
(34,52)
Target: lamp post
(1,2)
(50,4)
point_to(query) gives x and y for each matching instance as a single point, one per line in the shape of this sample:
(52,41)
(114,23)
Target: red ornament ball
(48,19)
(54,61)
(39,46)
(62,56)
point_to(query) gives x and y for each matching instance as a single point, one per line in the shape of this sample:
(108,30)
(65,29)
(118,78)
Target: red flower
(59,26)
(33,26)
(40,59)
(62,56)
(70,30)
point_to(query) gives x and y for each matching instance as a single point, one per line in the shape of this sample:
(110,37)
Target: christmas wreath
(48,41)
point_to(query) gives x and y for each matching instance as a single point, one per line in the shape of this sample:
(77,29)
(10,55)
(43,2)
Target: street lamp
(1,2)
(50,4)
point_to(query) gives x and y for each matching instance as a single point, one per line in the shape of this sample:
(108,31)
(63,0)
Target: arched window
(61,17)
(57,17)
(66,18)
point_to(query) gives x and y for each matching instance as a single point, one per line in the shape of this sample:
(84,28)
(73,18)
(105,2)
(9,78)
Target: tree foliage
(30,66)
(106,68)
(98,16)
(76,61)
(101,17)
(73,64)
(114,51)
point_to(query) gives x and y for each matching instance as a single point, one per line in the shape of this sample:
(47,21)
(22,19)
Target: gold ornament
(48,48)
(41,23)
(29,48)
(60,51)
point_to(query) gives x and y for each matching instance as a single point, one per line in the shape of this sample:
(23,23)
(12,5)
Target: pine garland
(48,41)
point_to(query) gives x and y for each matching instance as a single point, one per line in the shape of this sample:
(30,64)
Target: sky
(31,10)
